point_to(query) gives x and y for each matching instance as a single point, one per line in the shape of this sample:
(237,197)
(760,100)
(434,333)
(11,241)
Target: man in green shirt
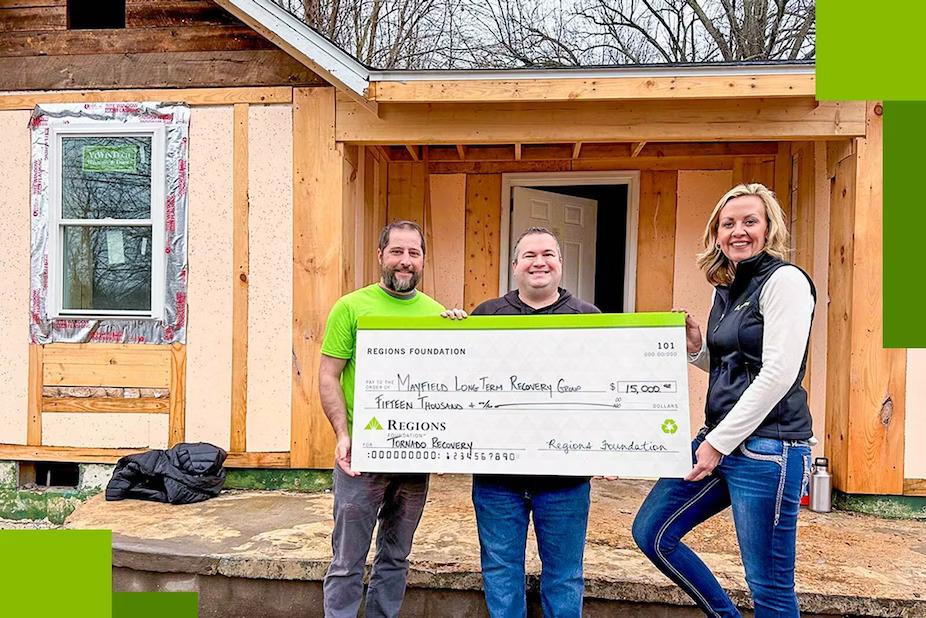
(397,500)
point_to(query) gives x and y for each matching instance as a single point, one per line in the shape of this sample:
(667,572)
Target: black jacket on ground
(183,474)
(511,304)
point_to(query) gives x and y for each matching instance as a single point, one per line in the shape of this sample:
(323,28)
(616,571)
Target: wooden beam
(413,151)
(131,375)
(583,164)
(636,149)
(656,240)
(461,152)
(914,487)
(268,67)
(483,211)
(672,120)
(577,150)
(358,98)
(598,89)
(517,152)
(190,96)
(318,261)
(866,384)
(34,418)
(19,452)
(141,405)
(176,422)
(240,274)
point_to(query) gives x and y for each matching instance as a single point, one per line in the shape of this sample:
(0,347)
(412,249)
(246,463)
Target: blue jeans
(763,482)
(560,521)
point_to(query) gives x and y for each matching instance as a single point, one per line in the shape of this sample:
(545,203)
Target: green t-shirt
(341,329)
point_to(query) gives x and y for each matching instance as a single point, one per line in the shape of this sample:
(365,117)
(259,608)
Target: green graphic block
(155,605)
(373,424)
(109,159)
(669,426)
(75,564)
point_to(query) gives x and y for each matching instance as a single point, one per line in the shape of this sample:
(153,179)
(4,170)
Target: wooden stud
(866,383)
(176,423)
(636,149)
(483,201)
(517,152)
(109,354)
(240,282)
(461,152)
(597,89)
(318,262)
(576,150)
(143,376)
(141,405)
(569,122)
(190,96)
(656,240)
(413,151)
(34,419)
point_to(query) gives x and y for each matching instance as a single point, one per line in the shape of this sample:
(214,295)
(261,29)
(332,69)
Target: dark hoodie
(511,304)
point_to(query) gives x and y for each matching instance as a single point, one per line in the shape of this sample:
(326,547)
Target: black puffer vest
(734,339)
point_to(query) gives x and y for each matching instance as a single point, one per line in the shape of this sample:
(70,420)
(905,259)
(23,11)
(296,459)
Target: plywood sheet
(270,289)
(14,293)
(208,393)
(698,193)
(448,234)
(483,228)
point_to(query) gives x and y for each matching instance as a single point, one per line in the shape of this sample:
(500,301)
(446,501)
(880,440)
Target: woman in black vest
(753,454)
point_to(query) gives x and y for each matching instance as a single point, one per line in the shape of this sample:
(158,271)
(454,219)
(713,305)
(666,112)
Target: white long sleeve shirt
(786,305)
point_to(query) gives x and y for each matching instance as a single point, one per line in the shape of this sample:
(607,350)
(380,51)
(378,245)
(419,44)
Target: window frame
(157,222)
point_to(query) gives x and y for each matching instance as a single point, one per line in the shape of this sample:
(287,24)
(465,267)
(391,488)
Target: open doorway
(595,216)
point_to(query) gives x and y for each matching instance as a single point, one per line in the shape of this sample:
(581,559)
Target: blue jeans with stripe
(763,481)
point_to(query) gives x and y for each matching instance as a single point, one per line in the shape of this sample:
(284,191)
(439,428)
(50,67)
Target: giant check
(550,394)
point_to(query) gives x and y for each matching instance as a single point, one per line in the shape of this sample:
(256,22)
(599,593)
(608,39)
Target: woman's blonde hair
(717,268)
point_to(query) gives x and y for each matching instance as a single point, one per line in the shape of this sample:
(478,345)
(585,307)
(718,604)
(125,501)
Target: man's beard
(394,284)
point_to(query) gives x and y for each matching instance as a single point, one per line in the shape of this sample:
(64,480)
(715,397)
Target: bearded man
(397,500)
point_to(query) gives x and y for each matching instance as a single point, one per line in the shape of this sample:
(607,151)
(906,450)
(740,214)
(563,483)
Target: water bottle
(821,486)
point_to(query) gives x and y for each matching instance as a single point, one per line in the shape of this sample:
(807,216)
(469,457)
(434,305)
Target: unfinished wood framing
(190,96)
(483,225)
(318,263)
(914,487)
(866,383)
(598,89)
(629,121)
(34,420)
(656,240)
(240,274)
(103,405)
(176,422)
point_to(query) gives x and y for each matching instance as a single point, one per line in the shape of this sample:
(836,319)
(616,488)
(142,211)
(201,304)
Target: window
(106,218)
(96,14)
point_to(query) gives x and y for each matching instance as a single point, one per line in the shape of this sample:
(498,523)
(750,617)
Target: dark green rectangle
(523,322)
(870,51)
(155,605)
(904,219)
(55,573)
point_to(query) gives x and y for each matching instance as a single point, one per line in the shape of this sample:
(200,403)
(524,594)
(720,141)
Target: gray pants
(397,501)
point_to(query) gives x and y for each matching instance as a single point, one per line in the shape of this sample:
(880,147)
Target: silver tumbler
(821,486)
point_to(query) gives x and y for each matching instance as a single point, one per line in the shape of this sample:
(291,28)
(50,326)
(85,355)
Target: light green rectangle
(109,158)
(523,322)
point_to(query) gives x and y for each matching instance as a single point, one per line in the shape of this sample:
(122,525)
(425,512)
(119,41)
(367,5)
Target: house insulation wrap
(167,211)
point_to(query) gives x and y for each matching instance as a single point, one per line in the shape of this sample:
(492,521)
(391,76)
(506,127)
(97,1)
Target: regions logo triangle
(668,426)
(373,424)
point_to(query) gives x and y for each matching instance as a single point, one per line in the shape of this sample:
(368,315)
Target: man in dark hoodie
(559,503)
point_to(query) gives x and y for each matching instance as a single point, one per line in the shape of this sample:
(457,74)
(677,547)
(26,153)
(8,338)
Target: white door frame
(559,179)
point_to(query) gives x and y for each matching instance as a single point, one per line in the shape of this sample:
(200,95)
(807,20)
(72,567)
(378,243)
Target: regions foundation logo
(373,425)
(669,426)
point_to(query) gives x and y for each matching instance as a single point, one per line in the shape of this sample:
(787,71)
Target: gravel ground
(26,524)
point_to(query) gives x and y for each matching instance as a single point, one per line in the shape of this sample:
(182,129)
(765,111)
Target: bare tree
(417,34)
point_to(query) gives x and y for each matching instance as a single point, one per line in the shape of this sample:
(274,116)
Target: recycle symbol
(669,426)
